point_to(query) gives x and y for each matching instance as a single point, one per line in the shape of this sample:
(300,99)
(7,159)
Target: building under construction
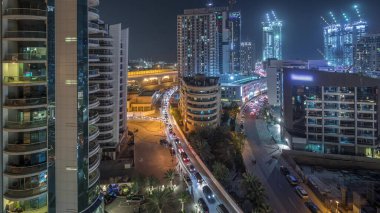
(340,37)
(272,37)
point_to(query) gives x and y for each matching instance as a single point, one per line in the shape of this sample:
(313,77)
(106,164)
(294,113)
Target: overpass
(152,76)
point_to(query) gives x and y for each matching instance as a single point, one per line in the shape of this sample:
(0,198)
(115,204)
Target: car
(198,177)
(176,141)
(221,209)
(292,180)
(185,158)
(180,149)
(284,170)
(209,195)
(301,192)
(312,207)
(191,168)
(135,199)
(203,206)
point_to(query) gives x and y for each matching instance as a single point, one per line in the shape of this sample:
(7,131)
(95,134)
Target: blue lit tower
(272,37)
(235,34)
(341,37)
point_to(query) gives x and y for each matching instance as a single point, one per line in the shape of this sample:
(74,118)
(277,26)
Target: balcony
(106,138)
(93,148)
(106,70)
(105,129)
(102,79)
(105,121)
(25,103)
(93,43)
(25,126)
(105,104)
(22,170)
(93,13)
(25,57)
(106,87)
(93,73)
(93,102)
(25,193)
(93,88)
(93,58)
(104,95)
(35,13)
(93,117)
(93,178)
(93,132)
(94,162)
(93,27)
(25,149)
(25,35)
(24,81)
(105,112)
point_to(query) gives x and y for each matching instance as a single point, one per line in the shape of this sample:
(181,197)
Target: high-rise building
(234,21)
(208,41)
(340,39)
(200,102)
(367,53)
(108,65)
(247,60)
(272,37)
(49,111)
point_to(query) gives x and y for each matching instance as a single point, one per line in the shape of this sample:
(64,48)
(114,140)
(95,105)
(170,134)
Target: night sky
(153,35)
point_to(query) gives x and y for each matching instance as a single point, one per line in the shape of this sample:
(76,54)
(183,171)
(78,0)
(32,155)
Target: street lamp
(337,206)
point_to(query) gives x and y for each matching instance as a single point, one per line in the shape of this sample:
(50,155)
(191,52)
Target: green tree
(183,199)
(255,193)
(203,149)
(159,200)
(220,172)
(170,175)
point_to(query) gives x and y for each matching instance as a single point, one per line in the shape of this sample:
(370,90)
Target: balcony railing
(93,177)
(24,12)
(26,147)
(25,193)
(24,79)
(93,88)
(105,120)
(25,124)
(22,170)
(14,102)
(93,25)
(25,34)
(94,10)
(24,57)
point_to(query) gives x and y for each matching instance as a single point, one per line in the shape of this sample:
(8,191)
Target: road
(261,147)
(220,196)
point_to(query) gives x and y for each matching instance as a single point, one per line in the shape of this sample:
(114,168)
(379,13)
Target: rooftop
(201,81)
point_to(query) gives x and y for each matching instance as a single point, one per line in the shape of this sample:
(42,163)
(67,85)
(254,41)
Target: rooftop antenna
(356,7)
(333,17)
(328,24)
(274,15)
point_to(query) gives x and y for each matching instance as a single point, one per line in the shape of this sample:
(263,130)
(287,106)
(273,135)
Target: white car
(301,192)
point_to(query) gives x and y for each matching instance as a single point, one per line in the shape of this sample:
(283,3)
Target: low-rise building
(200,102)
(141,103)
(331,112)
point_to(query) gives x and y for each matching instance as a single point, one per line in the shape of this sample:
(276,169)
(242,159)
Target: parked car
(191,168)
(312,207)
(284,170)
(221,209)
(292,180)
(208,194)
(135,199)
(301,192)
(203,206)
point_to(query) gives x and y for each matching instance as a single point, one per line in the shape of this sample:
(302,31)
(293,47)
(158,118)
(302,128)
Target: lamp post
(337,206)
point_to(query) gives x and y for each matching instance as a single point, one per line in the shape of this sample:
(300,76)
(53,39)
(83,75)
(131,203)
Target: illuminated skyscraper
(272,37)
(367,53)
(208,41)
(247,61)
(340,39)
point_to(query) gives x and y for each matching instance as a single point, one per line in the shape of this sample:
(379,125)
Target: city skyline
(147,22)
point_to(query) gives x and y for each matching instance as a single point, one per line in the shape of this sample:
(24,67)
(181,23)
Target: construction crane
(333,17)
(274,15)
(328,24)
(322,54)
(356,7)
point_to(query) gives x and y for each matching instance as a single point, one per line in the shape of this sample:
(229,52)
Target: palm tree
(203,149)
(151,182)
(159,199)
(170,175)
(255,192)
(183,198)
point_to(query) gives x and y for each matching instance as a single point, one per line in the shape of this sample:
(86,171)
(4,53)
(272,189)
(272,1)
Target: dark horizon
(153,23)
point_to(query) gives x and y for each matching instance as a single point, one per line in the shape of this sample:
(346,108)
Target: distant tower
(341,37)
(272,37)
